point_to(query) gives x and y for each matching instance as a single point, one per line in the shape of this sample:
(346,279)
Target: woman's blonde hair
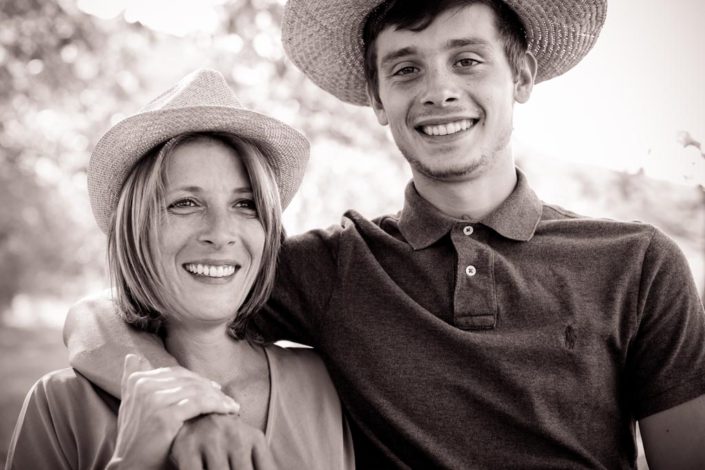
(142,297)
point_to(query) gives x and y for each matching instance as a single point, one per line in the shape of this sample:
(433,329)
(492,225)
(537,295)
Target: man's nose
(219,229)
(440,87)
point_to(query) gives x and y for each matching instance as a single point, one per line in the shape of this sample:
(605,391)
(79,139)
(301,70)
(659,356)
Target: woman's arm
(98,340)
(156,403)
(36,441)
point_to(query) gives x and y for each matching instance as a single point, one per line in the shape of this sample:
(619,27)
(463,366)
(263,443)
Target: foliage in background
(67,76)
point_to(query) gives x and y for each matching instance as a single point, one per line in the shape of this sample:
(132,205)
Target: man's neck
(472,198)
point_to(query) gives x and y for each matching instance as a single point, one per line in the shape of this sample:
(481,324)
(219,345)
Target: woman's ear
(526,75)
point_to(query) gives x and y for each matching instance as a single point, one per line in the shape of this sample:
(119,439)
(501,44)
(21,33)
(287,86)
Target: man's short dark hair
(417,15)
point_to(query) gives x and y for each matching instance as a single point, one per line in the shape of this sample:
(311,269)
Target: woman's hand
(218,442)
(155,404)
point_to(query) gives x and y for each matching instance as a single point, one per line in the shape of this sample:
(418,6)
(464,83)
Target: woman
(190,191)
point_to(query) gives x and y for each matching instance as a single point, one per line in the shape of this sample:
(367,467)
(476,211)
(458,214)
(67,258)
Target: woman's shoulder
(64,388)
(304,403)
(300,369)
(64,420)
(59,383)
(297,360)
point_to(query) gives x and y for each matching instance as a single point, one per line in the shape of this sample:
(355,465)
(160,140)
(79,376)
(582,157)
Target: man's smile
(452,127)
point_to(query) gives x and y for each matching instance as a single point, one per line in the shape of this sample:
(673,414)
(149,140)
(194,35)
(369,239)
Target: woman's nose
(219,229)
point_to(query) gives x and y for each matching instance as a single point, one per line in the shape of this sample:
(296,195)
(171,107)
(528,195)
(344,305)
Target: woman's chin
(201,317)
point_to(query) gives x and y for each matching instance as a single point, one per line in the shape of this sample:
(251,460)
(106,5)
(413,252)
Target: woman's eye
(183,203)
(247,204)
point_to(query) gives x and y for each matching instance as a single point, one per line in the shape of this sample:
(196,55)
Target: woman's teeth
(210,271)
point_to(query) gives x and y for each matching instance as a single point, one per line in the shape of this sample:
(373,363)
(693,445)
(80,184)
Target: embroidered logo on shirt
(570,337)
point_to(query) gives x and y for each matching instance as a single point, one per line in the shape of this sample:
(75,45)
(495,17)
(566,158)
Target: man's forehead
(467,25)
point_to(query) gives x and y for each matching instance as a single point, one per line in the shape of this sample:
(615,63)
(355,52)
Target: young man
(479,327)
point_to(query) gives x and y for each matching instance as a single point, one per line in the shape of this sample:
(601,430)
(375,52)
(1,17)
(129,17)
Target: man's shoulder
(352,224)
(608,235)
(557,217)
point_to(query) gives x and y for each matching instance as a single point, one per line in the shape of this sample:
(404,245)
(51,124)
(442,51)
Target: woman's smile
(212,270)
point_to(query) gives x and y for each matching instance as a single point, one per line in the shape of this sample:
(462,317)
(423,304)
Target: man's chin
(449,173)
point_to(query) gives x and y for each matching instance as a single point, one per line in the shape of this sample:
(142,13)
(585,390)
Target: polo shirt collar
(516,218)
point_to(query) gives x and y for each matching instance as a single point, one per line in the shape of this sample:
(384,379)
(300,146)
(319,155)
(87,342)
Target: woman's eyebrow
(198,189)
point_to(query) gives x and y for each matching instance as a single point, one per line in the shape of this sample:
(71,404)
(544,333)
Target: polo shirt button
(467,230)
(470,270)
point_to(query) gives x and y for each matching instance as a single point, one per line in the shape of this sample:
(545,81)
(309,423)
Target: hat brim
(323,38)
(129,140)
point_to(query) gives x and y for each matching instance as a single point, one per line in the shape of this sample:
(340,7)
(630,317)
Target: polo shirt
(533,338)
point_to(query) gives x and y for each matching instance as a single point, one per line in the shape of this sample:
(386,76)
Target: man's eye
(467,62)
(405,71)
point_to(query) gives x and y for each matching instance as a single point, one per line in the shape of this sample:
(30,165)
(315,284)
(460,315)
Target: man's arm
(675,438)
(667,360)
(98,341)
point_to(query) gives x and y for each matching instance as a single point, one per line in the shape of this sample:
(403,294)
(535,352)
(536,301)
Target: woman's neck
(211,352)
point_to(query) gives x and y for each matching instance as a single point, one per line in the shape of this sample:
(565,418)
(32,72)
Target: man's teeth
(448,128)
(210,271)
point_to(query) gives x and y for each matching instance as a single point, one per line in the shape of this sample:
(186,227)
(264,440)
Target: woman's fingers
(262,457)
(166,387)
(215,460)
(133,364)
(192,405)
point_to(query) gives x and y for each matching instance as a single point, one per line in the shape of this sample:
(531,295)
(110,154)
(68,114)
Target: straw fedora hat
(200,102)
(323,38)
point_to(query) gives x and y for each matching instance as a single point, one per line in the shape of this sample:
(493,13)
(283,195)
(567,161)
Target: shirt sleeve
(306,276)
(666,360)
(36,441)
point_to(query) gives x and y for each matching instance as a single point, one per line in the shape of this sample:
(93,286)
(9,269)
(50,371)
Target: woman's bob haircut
(141,296)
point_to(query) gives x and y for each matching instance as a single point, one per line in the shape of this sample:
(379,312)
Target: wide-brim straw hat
(200,102)
(323,38)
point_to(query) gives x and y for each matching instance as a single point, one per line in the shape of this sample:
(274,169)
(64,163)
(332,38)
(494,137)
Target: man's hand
(156,403)
(220,442)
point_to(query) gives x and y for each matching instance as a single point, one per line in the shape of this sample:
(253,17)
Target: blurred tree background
(69,70)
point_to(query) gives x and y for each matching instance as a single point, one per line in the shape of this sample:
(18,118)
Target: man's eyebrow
(397,54)
(450,44)
(464,42)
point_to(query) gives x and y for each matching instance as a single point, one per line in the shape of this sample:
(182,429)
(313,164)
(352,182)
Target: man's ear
(377,105)
(524,82)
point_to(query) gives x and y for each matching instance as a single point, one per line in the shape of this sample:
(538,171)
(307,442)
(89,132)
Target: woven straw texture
(202,101)
(323,38)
